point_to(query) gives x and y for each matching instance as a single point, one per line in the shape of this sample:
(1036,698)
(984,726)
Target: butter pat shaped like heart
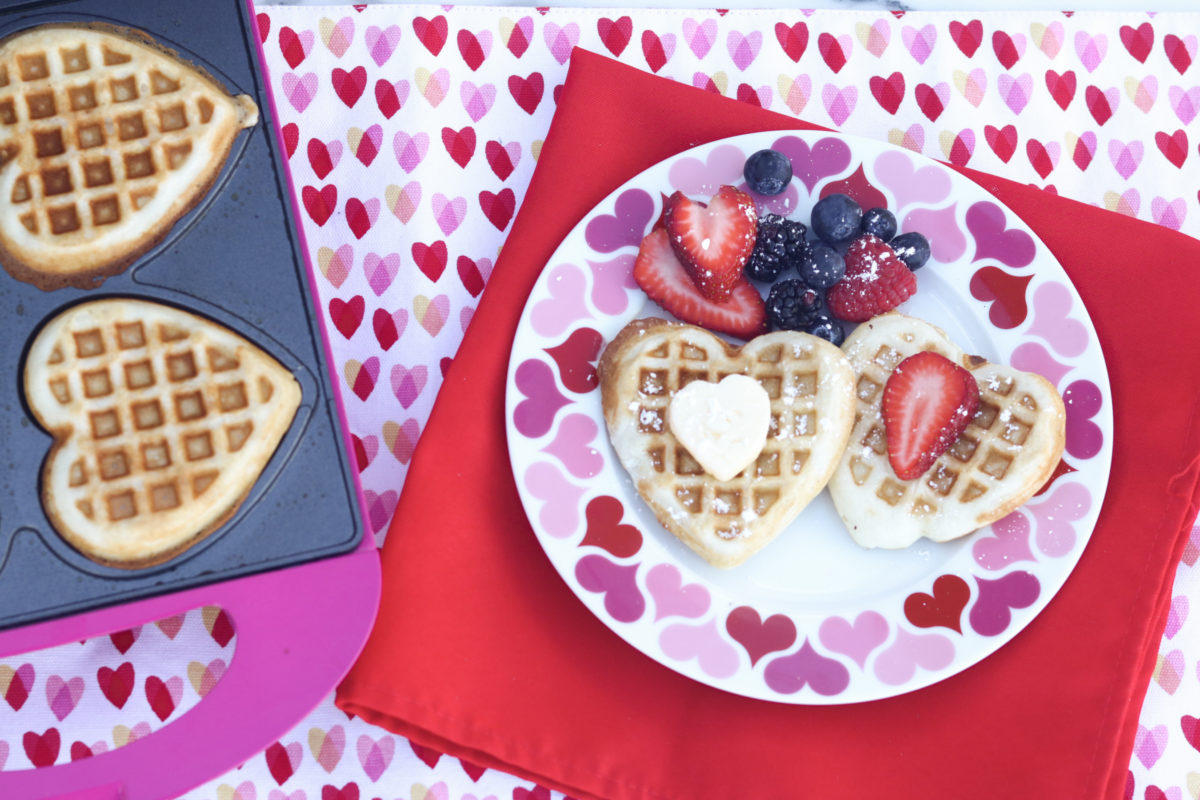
(723,425)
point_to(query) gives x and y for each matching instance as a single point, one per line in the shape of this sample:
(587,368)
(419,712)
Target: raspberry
(876,281)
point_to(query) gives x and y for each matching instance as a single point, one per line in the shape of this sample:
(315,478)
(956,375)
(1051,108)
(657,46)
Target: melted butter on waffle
(105,141)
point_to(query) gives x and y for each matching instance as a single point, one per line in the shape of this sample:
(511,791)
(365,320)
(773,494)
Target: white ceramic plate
(813,618)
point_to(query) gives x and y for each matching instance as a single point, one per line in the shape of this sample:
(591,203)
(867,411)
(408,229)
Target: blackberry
(779,244)
(793,305)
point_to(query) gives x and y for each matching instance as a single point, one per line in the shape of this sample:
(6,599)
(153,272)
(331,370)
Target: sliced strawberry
(876,281)
(928,402)
(665,281)
(713,241)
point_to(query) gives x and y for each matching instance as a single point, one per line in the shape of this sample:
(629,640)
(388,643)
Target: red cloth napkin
(481,651)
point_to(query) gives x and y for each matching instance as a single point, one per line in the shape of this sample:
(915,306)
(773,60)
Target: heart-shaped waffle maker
(162,422)
(810,385)
(105,141)
(1006,454)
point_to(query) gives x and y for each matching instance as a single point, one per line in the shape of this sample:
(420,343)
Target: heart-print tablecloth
(412,132)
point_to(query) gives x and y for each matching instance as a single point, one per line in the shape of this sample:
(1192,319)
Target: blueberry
(836,218)
(792,305)
(879,222)
(768,172)
(827,328)
(912,248)
(822,267)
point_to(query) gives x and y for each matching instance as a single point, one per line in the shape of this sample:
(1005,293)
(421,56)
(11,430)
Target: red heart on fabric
(431,32)
(282,760)
(163,696)
(293,48)
(1085,150)
(943,608)
(502,158)
(793,39)
(319,158)
(431,259)
(606,531)
(347,792)
(388,326)
(498,207)
(615,34)
(474,771)
(426,754)
(929,101)
(347,315)
(968,36)
(1006,49)
(1191,730)
(361,376)
(42,748)
(1099,104)
(1177,52)
(1003,141)
(264,26)
(15,684)
(527,91)
(1040,157)
(218,624)
(1138,41)
(831,51)
(116,684)
(360,216)
(319,203)
(1062,87)
(362,456)
(470,49)
(365,144)
(653,50)
(759,636)
(387,97)
(472,277)
(123,640)
(80,750)
(1005,292)
(291,138)
(888,92)
(349,86)
(1173,145)
(459,144)
(519,37)
(755,97)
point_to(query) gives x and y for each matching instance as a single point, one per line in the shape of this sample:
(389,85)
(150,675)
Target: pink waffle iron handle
(298,632)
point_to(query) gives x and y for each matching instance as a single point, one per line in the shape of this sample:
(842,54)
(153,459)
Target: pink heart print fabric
(411,133)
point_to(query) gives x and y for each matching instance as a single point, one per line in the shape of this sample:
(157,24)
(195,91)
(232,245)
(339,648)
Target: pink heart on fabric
(1149,744)
(410,150)
(856,639)
(1185,103)
(327,746)
(449,212)
(909,652)
(299,90)
(338,36)
(478,100)
(673,598)
(381,271)
(874,37)
(1090,49)
(572,446)
(565,305)
(1007,544)
(1169,671)
(743,48)
(559,516)
(560,40)
(919,41)
(700,36)
(170,626)
(1125,157)
(1169,213)
(278,794)
(63,695)
(1048,38)
(839,103)
(972,85)
(1143,93)
(375,755)
(1015,91)
(204,677)
(795,93)
(403,201)
(702,643)
(1177,615)
(379,508)
(407,384)
(381,42)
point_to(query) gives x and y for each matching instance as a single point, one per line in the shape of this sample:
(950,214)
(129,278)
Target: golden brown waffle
(810,386)
(162,422)
(1005,455)
(105,141)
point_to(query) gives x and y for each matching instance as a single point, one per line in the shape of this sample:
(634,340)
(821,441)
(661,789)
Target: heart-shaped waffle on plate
(1006,454)
(811,389)
(106,140)
(162,422)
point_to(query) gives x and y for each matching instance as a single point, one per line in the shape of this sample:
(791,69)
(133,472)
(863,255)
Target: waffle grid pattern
(977,462)
(791,383)
(93,129)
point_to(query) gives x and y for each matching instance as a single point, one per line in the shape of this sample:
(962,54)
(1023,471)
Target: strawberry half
(876,281)
(713,241)
(928,402)
(665,281)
